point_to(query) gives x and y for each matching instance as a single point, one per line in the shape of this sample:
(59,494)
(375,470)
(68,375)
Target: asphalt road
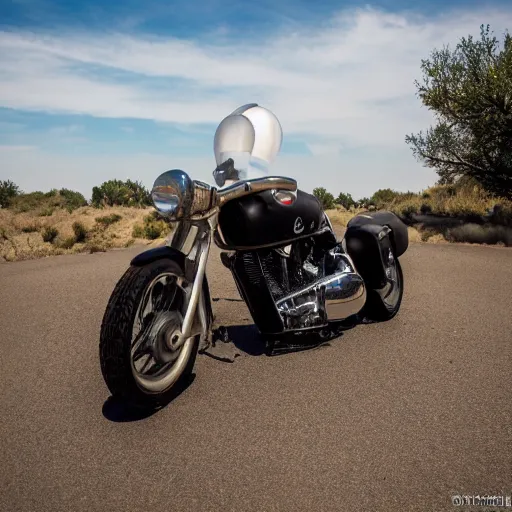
(396,416)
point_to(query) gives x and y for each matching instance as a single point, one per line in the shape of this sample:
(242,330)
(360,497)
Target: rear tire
(382,305)
(116,349)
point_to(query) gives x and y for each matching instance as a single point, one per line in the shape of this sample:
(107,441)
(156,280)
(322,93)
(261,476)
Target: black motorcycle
(295,276)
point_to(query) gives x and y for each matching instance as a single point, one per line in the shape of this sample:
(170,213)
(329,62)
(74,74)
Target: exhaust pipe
(334,297)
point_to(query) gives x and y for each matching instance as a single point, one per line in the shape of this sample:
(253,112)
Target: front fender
(159,253)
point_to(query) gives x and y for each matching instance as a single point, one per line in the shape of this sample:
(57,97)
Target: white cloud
(351,79)
(346,84)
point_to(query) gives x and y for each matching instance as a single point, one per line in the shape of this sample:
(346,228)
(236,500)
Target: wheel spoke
(141,338)
(169,294)
(143,306)
(160,304)
(140,352)
(146,366)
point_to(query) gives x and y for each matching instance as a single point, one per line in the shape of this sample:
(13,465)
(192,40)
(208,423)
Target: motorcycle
(295,276)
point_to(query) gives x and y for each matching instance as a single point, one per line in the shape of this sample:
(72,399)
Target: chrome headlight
(176,196)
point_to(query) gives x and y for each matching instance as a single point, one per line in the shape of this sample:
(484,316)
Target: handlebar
(244,188)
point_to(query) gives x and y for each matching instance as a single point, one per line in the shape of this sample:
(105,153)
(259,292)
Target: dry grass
(442,229)
(88,229)
(341,216)
(465,202)
(21,233)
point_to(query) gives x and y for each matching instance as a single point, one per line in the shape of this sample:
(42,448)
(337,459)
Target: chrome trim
(328,221)
(203,247)
(293,196)
(332,298)
(173,194)
(188,243)
(221,235)
(247,187)
(204,199)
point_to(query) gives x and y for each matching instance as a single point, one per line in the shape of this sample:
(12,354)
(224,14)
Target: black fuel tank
(259,220)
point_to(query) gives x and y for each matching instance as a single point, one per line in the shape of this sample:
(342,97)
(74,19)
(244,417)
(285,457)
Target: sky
(93,90)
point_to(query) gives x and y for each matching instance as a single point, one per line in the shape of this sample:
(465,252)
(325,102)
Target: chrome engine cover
(335,296)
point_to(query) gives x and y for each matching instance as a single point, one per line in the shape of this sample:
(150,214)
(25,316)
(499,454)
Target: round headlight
(173,194)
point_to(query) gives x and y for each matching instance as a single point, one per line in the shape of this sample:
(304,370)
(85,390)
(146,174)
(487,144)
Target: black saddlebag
(368,240)
(400,235)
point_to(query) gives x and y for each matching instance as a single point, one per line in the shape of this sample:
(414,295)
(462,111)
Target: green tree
(469,89)
(326,198)
(121,193)
(110,193)
(139,194)
(345,200)
(383,197)
(72,199)
(8,190)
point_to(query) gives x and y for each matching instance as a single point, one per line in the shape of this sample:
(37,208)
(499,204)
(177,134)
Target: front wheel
(384,304)
(146,309)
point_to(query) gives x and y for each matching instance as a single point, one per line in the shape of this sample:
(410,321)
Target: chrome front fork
(194,240)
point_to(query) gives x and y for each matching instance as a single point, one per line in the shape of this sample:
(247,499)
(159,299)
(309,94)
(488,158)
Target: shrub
(46,212)
(72,199)
(345,200)
(139,195)
(383,197)
(67,243)
(152,229)
(31,228)
(155,229)
(92,248)
(364,202)
(120,193)
(425,208)
(49,234)
(138,231)
(426,234)
(406,209)
(154,226)
(46,202)
(27,202)
(8,190)
(80,232)
(107,220)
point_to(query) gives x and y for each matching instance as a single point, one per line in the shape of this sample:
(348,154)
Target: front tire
(143,369)
(382,305)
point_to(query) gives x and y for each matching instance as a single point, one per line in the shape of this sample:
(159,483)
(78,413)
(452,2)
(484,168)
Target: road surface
(390,417)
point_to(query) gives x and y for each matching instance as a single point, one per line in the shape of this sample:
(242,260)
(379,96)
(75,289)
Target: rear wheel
(384,304)
(138,360)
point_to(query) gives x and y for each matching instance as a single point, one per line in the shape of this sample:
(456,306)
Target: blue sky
(91,91)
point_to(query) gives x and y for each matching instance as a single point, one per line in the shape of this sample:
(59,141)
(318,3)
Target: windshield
(246,143)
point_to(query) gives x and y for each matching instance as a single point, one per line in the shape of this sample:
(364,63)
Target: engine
(300,286)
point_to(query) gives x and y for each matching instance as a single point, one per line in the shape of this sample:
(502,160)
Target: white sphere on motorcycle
(173,194)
